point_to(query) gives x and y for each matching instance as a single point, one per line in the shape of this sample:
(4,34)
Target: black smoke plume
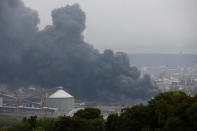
(58,55)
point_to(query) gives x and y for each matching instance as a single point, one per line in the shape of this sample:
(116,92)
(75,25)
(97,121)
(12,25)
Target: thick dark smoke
(58,55)
(17,28)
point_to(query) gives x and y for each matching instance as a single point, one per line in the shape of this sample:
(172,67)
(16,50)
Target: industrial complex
(58,103)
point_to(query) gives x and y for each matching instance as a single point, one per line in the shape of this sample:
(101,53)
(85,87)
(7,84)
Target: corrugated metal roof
(60,94)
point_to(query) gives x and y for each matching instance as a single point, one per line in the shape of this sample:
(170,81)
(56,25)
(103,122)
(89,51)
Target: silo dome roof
(60,94)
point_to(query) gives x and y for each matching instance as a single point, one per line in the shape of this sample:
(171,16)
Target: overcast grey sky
(133,26)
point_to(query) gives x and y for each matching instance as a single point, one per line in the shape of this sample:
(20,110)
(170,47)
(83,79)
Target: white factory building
(63,101)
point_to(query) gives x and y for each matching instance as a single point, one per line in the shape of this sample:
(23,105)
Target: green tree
(47,123)
(192,114)
(32,121)
(175,124)
(63,123)
(88,113)
(169,104)
(21,126)
(38,129)
(5,128)
(136,118)
(112,123)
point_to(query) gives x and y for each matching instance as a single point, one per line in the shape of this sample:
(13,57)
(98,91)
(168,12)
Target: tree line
(170,111)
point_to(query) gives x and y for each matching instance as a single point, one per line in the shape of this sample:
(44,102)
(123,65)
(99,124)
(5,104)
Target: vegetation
(170,111)
(8,121)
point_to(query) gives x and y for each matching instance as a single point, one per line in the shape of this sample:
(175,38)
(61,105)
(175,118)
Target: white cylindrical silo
(61,100)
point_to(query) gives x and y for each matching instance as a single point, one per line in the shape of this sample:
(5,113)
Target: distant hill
(169,60)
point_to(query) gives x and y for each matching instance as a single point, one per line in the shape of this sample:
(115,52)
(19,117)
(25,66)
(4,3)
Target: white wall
(64,105)
(1,101)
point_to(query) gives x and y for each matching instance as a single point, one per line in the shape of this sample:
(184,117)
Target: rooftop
(60,94)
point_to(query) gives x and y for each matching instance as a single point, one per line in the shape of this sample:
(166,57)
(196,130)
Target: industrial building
(7,109)
(62,101)
(37,103)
